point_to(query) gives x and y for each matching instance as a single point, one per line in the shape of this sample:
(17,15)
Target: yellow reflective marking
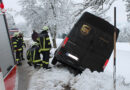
(44,43)
(15,45)
(14,42)
(49,43)
(17,59)
(45,62)
(47,38)
(20,49)
(34,55)
(35,61)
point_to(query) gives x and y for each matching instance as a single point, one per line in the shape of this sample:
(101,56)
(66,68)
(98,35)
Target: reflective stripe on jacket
(14,43)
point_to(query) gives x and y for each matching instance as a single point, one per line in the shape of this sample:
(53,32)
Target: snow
(53,79)
(96,81)
(123,46)
(120,13)
(59,78)
(123,63)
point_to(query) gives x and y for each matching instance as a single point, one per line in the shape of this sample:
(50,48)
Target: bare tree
(128,9)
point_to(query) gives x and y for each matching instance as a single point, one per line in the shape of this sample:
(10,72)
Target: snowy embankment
(122,61)
(59,78)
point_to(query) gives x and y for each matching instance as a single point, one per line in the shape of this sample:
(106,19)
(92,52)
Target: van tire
(54,61)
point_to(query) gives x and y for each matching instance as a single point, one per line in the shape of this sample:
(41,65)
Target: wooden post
(114,64)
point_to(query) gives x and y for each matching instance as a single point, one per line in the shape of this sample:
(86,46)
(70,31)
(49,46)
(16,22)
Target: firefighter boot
(29,63)
(23,59)
(46,66)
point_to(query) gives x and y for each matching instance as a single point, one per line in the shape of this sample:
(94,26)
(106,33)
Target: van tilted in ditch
(88,45)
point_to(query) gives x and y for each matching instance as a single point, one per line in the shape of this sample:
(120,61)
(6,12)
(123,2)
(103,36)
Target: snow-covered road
(23,79)
(23,75)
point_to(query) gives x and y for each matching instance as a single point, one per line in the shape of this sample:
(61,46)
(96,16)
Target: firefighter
(22,44)
(33,56)
(45,46)
(17,50)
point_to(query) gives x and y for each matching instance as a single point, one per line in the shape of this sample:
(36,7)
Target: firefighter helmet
(15,34)
(45,28)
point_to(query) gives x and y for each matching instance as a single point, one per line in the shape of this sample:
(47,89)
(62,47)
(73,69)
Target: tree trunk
(54,43)
(54,38)
(55,26)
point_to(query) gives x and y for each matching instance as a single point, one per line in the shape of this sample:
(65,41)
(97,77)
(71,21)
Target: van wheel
(54,61)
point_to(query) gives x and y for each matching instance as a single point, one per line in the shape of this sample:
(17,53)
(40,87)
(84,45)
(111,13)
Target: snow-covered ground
(122,60)
(59,78)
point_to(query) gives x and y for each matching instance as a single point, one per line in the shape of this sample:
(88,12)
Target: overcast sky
(13,7)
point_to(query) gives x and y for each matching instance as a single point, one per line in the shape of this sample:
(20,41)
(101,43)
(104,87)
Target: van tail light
(105,64)
(65,41)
